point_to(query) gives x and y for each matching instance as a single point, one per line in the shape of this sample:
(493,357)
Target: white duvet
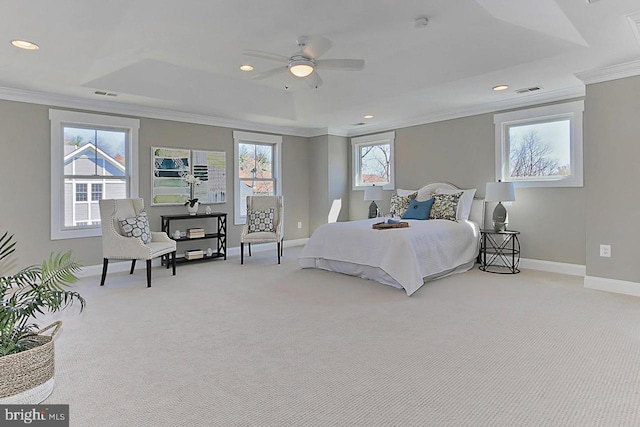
(402,257)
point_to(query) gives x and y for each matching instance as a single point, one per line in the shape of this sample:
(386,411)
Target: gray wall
(318,181)
(26,195)
(612,150)
(328,178)
(461,151)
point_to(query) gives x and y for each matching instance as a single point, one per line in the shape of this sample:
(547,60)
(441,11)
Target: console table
(220,235)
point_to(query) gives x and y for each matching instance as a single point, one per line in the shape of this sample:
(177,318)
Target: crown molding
(519,102)
(612,72)
(20,95)
(33,97)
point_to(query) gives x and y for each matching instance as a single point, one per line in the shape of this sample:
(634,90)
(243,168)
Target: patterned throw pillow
(445,206)
(399,204)
(137,226)
(260,220)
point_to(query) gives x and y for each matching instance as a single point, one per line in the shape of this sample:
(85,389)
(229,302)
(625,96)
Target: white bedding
(401,257)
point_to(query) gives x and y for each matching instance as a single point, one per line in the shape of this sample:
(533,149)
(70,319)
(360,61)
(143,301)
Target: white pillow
(464,205)
(404,193)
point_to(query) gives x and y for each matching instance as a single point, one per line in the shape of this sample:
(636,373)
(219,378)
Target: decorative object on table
(26,355)
(209,251)
(170,165)
(176,234)
(500,192)
(208,210)
(192,204)
(373,193)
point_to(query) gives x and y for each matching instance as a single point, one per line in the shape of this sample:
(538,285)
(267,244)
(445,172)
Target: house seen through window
(92,159)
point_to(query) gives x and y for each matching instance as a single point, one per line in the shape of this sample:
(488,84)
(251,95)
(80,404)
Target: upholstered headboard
(477,207)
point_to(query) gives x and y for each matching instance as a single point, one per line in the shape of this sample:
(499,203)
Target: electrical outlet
(605,251)
(299,224)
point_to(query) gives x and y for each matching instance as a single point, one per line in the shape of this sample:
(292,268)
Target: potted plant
(26,355)
(192,203)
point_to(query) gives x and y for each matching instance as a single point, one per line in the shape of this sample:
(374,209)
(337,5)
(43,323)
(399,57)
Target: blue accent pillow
(418,210)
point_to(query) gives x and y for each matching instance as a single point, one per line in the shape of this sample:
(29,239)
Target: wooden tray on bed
(385,226)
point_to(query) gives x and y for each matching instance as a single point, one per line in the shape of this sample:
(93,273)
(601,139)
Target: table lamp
(373,193)
(500,192)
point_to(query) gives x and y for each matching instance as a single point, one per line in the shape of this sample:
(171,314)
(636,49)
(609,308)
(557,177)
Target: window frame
(240,137)
(61,118)
(376,139)
(573,111)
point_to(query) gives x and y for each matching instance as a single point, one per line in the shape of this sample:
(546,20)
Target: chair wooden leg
(133,265)
(173,261)
(249,249)
(104,271)
(148,273)
(241,253)
(279,244)
(282,247)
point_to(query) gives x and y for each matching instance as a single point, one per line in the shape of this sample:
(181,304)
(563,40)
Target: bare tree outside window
(375,161)
(535,151)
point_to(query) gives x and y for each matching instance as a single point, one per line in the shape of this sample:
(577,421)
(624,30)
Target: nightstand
(499,251)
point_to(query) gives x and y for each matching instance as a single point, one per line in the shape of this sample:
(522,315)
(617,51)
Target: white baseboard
(612,285)
(554,267)
(118,266)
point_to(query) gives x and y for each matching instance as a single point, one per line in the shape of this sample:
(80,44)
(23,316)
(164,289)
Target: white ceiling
(166,57)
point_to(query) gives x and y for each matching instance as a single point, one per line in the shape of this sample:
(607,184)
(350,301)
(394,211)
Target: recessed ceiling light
(501,87)
(246,67)
(368,116)
(24,44)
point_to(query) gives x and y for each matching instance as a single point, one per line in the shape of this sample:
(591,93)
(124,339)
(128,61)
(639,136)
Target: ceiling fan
(305,63)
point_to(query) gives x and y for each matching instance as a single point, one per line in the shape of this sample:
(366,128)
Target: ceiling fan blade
(340,64)
(266,55)
(269,73)
(315,47)
(314,80)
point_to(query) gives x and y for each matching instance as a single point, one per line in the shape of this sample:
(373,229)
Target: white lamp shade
(500,192)
(373,193)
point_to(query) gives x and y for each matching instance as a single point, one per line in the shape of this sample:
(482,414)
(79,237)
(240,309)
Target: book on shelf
(194,254)
(193,233)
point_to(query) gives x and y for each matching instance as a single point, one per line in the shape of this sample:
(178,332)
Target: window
(96,192)
(81,192)
(92,157)
(540,147)
(257,169)
(373,161)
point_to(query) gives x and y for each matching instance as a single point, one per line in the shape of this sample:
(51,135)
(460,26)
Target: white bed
(402,257)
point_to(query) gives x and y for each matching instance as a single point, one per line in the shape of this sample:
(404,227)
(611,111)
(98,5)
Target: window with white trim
(373,161)
(93,157)
(540,147)
(257,169)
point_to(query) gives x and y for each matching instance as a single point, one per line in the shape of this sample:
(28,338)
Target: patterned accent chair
(264,223)
(116,245)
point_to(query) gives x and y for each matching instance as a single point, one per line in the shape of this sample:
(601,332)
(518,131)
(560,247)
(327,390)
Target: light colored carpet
(265,345)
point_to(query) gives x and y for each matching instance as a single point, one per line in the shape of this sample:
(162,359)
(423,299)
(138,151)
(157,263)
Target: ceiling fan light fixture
(301,67)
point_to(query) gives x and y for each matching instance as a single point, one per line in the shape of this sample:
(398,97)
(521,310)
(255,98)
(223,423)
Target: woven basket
(27,377)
